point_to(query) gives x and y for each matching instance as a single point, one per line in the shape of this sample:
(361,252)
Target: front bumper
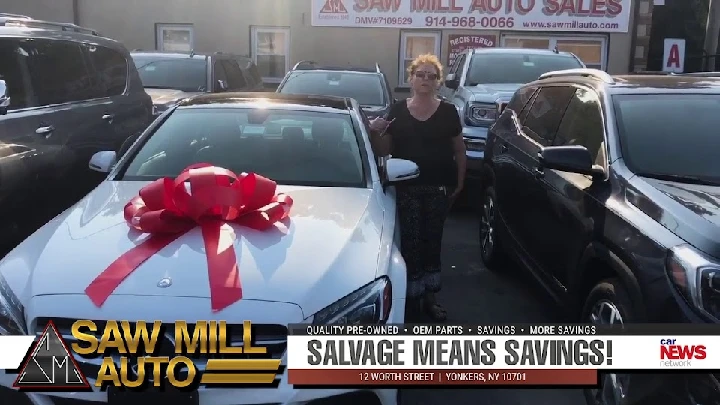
(284,394)
(475,138)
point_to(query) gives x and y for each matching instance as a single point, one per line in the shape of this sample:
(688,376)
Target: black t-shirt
(428,143)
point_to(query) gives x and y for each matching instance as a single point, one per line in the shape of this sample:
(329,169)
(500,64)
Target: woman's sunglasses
(426,75)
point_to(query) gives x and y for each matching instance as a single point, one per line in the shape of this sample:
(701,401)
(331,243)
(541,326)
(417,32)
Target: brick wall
(642,36)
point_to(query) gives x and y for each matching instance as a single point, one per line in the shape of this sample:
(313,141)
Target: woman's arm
(460,159)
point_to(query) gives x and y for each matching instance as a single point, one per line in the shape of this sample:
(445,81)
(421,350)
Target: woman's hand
(379,124)
(456,193)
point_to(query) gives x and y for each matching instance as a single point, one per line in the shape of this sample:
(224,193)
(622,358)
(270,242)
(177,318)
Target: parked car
(607,189)
(66,92)
(338,193)
(369,87)
(480,83)
(170,77)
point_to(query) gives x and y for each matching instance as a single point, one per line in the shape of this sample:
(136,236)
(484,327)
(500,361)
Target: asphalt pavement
(472,294)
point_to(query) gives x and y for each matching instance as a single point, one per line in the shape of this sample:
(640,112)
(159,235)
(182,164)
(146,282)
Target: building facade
(608,34)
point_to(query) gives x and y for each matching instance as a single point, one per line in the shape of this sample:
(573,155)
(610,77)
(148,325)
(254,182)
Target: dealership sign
(459,43)
(507,15)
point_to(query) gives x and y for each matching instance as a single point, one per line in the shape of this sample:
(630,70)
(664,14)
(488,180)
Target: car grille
(272,337)
(475,144)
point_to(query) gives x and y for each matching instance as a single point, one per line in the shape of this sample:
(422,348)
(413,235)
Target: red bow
(166,210)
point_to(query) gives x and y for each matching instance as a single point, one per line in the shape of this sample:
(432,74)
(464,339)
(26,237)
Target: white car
(336,260)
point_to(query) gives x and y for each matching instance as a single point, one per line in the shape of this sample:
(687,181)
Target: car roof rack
(652,73)
(700,74)
(25,21)
(305,65)
(594,73)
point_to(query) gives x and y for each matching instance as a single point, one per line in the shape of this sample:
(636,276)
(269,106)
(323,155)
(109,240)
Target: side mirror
(401,170)
(4,98)
(572,159)
(102,161)
(451,82)
(395,100)
(222,85)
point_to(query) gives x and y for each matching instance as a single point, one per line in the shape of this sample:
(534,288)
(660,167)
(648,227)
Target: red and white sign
(674,55)
(459,43)
(505,15)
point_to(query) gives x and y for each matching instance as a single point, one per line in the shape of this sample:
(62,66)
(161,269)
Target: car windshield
(367,89)
(488,68)
(670,135)
(289,147)
(184,74)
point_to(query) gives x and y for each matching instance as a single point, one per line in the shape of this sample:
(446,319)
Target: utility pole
(712,32)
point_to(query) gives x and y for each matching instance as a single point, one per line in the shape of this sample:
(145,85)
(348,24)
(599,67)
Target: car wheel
(609,303)
(491,251)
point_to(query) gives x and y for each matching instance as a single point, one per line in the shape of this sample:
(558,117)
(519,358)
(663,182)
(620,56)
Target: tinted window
(318,149)
(547,109)
(111,67)
(184,74)
(219,75)
(13,70)
(582,123)
(514,67)
(367,89)
(520,98)
(670,134)
(252,68)
(58,72)
(235,78)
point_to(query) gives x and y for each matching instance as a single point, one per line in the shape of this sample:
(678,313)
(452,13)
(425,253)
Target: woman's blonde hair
(426,59)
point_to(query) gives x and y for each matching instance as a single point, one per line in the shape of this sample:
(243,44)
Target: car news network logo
(674,354)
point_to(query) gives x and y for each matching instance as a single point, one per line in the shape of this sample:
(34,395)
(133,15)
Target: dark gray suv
(65,93)
(169,77)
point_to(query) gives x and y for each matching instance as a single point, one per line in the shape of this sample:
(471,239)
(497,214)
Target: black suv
(607,189)
(65,93)
(369,87)
(170,77)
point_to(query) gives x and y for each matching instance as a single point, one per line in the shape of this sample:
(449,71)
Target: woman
(427,131)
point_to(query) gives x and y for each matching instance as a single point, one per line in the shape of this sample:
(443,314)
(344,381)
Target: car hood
(700,224)
(495,91)
(328,248)
(168,96)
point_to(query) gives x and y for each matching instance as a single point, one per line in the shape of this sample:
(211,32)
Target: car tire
(491,250)
(609,302)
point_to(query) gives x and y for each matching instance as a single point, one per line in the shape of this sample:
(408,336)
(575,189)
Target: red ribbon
(166,210)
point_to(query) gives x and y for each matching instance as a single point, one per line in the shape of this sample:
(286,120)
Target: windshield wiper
(681,179)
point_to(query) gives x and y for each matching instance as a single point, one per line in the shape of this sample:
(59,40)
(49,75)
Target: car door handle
(45,130)
(538,173)
(108,117)
(503,148)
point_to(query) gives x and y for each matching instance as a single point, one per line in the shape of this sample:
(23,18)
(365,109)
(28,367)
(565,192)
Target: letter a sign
(674,55)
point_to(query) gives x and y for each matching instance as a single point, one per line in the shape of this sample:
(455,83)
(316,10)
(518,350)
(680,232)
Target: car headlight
(12,313)
(368,305)
(481,114)
(697,276)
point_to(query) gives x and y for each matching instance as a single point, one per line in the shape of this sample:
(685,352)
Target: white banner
(504,352)
(506,15)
